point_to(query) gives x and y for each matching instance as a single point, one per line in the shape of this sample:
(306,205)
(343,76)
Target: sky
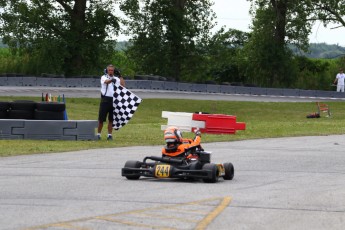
(235,14)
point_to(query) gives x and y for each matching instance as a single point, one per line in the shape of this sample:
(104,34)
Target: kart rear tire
(214,172)
(229,171)
(133,164)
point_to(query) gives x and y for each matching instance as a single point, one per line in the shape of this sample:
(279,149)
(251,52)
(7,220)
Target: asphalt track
(279,183)
(95,93)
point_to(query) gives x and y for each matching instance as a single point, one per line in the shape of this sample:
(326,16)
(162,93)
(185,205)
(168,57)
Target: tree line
(170,38)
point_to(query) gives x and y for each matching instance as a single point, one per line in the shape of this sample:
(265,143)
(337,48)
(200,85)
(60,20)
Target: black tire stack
(50,111)
(22,109)
(4,107)
(30,110)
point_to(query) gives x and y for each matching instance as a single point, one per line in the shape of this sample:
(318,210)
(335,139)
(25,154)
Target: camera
(117,72)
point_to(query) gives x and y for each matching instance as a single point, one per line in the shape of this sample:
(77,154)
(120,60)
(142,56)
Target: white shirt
(108,89)
(340,78)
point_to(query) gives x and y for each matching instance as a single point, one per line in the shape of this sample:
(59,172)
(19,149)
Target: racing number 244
(162,171)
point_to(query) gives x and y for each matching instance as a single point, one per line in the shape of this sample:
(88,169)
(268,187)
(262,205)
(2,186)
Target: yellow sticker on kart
(162,171)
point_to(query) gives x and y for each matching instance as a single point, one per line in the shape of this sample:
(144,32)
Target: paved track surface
(285,183)
(282,183)
(95,93)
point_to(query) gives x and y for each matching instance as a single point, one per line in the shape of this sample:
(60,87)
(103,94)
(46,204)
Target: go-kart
(194,163)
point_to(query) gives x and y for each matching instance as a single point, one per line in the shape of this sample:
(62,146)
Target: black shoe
(98,137)
(109,138)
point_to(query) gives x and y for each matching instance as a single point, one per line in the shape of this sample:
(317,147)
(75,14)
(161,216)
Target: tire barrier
(20,114)
(52,107)
(50,111)
(3,114)
(22,105)
(4,107)
(21,109)
(49,115)
(30,110)
(42,121)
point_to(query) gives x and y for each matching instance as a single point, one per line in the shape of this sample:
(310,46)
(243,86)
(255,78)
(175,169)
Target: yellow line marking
(201,225)
(69,226)
(133,223)
(166,217)
(64,225)
(210,217)
(189,210)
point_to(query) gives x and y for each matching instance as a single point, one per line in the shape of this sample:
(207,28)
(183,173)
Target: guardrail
(164,85)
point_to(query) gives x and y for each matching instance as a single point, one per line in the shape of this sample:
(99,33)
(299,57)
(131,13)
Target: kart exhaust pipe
(164,159)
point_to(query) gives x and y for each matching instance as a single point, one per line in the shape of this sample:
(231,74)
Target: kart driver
(175,144)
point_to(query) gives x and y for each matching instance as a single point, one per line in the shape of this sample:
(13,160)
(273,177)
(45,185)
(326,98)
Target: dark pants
(106,108)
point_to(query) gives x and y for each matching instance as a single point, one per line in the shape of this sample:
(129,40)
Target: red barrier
(219,123)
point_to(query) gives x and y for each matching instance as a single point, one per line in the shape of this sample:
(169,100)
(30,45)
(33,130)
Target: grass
(263,120)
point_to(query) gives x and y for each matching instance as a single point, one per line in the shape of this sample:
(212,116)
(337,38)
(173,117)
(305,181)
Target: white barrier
(184,121)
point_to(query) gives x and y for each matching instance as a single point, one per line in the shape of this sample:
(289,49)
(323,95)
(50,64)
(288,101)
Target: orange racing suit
(180,148)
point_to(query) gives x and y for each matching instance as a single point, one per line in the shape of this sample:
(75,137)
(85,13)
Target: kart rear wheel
(214,172)
(133,164)
(229,171)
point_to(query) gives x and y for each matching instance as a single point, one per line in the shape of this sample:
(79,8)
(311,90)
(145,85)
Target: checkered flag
(125,104)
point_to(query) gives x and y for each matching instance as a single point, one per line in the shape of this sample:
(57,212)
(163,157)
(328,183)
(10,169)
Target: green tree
(313,73)
(329,11)
(65,36)
(223,50)
(265,61)
(268,60)
(289,19)
(167,35)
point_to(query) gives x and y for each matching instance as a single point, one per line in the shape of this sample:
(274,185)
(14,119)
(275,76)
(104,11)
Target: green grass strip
(263,120)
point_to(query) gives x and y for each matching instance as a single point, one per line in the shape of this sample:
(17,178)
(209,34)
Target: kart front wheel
(133,164)
(214,172)
(229,171)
